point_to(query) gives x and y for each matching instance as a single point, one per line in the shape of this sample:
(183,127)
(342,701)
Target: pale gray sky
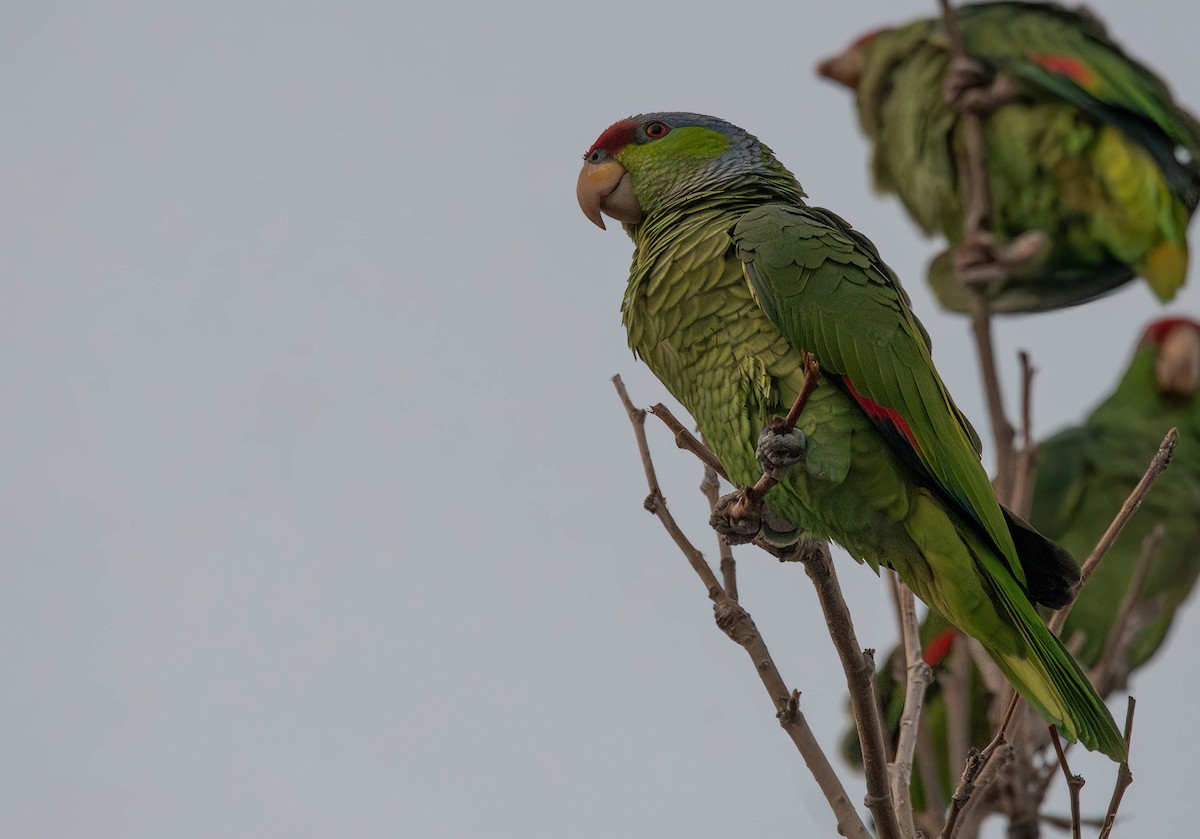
(320,516)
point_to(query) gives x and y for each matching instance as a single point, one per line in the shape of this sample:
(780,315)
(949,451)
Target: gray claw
(736,531)
(983,260)
(777,531)
(971,85)
(779,449)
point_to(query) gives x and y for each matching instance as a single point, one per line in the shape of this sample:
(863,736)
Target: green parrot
(1084,474)
(734,277)
(1084,145)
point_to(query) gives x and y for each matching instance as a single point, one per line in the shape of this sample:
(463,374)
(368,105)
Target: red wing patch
(1064,65)
(877,412)
(939,646)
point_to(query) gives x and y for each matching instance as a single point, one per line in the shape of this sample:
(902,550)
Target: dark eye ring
(654,130)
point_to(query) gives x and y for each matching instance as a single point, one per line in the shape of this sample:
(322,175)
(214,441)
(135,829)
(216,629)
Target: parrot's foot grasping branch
(737,624)
(983,261)
(711,487)
(972,86)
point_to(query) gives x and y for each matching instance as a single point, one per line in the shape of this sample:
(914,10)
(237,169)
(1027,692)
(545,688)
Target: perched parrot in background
(1084,144)
(1084,475)
(734,277)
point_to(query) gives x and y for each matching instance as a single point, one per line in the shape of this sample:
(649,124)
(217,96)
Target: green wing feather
(828,292)
(811,273)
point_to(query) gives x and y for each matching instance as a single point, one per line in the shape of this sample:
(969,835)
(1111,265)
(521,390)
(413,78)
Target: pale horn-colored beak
(606,186)
(845,67)
(1178,364)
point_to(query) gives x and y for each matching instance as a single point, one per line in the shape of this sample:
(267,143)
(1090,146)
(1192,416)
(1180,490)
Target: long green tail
(1051,680)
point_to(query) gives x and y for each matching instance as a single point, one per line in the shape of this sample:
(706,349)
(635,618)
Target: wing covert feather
(826,289)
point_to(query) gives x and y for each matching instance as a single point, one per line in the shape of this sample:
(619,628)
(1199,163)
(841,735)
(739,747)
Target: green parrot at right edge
(1084,474)
(1084,144)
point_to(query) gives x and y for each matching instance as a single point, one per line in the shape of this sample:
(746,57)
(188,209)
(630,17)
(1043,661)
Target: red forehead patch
(616,137)
(1160,329)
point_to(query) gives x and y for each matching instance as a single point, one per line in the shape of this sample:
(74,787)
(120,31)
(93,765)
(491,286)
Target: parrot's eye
(654,130)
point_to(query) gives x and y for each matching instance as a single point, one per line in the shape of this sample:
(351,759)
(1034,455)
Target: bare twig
(1002,430)
(981,768)
(1124,776)
(1161,460)
(956,693)
(1022,495)
(736,623)
(859,665)
(1112,668)
(686,439)
(711,487)
(1074,783)
(919,675)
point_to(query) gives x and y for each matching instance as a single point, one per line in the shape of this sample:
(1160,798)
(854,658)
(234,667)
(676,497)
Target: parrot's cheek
(622,204)
(607,188)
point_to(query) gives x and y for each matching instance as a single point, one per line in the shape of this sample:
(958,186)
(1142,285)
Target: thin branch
(956,693)
(736,623)
(980,769)
(919,675)
(686,439)
(711,487)
(1002,430)
(1124,776)
(1161,460)
(1112,668)
(1074,783)
(859,665)
(1022,495)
